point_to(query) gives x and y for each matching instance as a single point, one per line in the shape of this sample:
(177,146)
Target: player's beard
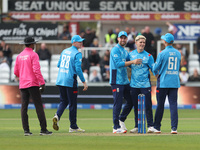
(122,43)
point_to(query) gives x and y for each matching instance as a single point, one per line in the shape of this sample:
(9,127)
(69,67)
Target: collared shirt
(140,75)
(69,66)
(27,68)
(168,64)
(118,71)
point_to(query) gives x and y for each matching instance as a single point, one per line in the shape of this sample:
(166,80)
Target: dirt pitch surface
(126,134)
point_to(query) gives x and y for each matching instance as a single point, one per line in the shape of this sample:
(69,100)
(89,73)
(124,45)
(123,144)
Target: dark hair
(27,45)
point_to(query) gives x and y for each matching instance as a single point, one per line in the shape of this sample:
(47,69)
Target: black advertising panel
(18,31)
(102,5)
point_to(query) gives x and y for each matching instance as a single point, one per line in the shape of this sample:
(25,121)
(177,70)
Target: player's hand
(85,86)
(156,76)
(42,87)
(137,61)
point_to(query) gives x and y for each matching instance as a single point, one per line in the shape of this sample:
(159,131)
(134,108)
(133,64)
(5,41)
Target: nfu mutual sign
(187,31)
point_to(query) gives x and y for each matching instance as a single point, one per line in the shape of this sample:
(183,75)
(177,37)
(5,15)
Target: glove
(42,87)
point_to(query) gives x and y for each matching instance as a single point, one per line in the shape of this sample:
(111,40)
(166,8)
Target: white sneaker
(119,130)
(150,130)
(55,123)
(134,130)
(122,124)
(174,132)
(156,131)
(76,130)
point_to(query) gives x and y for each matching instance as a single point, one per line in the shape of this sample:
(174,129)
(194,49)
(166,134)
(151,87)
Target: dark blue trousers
(161,94)
(120,92)
(68,95)
(148,105)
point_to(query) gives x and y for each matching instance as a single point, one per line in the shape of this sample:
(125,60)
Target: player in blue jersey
(168,82)
(140,84)
(119,78)
(69,66)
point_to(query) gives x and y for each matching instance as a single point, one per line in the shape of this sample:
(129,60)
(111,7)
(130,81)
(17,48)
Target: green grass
(98,126)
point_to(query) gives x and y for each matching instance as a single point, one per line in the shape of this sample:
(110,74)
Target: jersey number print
(65,61)
(172,63)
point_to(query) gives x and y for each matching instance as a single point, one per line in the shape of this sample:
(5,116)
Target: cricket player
(168,82)
(69,66)
(119,78)
(140,84)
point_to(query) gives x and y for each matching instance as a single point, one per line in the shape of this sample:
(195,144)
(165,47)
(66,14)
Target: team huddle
(166,69)
(140,62)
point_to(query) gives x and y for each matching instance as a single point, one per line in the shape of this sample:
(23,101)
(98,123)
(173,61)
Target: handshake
(42,87)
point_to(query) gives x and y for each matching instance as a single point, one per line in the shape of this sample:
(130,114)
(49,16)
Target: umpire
(27,68)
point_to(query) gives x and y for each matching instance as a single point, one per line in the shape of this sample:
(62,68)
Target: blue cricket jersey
(118,71)
(167,65)
(69,66)
(140,75)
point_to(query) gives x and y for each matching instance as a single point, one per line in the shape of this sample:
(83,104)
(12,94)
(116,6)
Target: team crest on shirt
(133,56)
(115,55)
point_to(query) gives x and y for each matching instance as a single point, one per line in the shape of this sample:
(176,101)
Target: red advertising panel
(111,16)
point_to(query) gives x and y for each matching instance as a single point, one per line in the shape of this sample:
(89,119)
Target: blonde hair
(140,37)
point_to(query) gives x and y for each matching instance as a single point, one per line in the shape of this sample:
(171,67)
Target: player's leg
(161,96)
(128,105)
(63,101)
(61,108)
(24,108)
(118,100)
(148,106)
(134,97)
(172,97)
(72,97)
(36,97)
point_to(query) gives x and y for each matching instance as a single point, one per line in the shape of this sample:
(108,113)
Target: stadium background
(100,16)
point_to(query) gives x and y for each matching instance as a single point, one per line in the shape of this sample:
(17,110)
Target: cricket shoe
(156,131)
(27,133)
(119,130)
(122,124)
(134,130)
(174,131)
(150,130)
(45,132)
(76,130)
(55,122)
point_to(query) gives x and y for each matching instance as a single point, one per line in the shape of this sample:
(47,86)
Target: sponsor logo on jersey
(68,52)
(172,53)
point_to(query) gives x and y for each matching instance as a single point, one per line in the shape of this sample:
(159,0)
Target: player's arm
(157,64)
(59,61)
(78,61)
(118,60)
(150,64)
(36,68)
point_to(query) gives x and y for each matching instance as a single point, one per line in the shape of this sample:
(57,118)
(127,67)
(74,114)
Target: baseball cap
(76,38)
(122,33)
(169,38)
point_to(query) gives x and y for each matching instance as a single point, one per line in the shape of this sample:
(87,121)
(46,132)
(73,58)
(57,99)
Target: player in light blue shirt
(119,78)
(69,66)
(140,84)
(168,82)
